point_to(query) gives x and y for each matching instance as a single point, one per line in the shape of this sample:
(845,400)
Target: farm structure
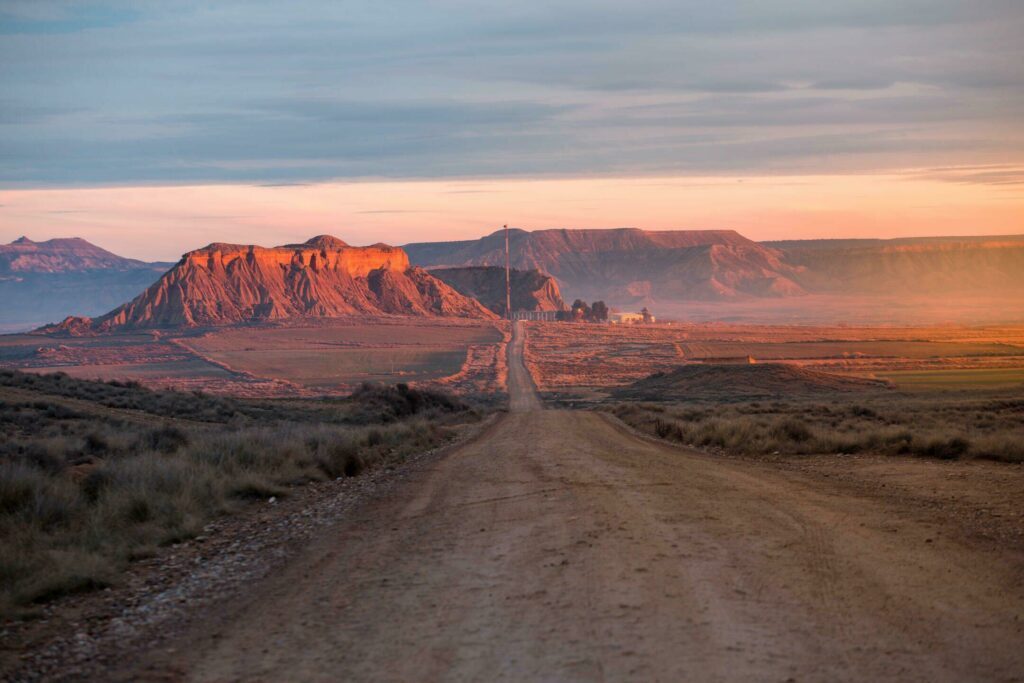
(644,317)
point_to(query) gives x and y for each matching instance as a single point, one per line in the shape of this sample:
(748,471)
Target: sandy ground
(559,546)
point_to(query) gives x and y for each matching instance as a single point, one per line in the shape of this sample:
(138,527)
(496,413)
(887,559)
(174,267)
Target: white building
(643,317)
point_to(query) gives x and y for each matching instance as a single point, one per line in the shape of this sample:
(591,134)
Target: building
(644,317)
(625,318)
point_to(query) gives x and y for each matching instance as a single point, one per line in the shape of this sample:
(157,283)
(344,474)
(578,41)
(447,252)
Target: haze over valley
(678,272)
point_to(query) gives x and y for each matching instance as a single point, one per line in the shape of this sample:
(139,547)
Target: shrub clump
(382,403)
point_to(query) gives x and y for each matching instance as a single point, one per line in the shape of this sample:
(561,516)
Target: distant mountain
(230,283)
(627,265)
(531,290)
(988,266)
(62,255)
(45,281)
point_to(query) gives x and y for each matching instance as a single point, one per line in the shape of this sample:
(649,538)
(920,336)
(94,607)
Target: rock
(532,290)
(230,283)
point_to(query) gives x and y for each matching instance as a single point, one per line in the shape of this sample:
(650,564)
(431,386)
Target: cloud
(257,92)
(33,18)
(976,175)
(391,211)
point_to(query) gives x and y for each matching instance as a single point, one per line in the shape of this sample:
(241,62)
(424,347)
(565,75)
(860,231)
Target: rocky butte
(323,277)
(532,290)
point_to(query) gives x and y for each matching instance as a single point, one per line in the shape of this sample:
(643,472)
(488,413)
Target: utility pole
(508,278)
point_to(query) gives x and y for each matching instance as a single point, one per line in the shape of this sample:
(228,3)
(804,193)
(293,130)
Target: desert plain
(641,501)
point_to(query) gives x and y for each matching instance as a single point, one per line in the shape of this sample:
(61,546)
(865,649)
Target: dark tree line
(580,311)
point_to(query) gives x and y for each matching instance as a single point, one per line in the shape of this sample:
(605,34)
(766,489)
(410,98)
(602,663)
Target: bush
(944,449)
(380,403)
(934,427)
(791,429)
(1001,448)
(166,439)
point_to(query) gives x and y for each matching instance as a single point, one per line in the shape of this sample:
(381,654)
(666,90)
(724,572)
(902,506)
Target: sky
(154,127)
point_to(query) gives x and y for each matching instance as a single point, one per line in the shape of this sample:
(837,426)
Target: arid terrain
(305,357)
(559,544)
(414,491)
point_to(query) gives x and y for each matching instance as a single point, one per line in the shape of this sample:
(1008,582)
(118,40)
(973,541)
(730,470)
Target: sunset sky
(152,128)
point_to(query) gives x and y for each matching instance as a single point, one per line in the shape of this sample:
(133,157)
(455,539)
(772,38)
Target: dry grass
(82,493)
(947,427)
(301,358)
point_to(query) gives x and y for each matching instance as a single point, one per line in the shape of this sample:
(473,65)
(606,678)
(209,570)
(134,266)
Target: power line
(508,278)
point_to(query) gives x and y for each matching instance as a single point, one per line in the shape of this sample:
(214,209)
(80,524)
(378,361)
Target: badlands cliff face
(228,283)
(531,289)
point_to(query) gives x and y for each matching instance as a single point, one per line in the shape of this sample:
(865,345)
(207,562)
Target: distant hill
(627,265)
(228,283)
(45,281)
(62,255)
(742,382)
(531,289)
(986,266)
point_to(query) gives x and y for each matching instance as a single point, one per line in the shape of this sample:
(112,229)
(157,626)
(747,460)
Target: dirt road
(558,546)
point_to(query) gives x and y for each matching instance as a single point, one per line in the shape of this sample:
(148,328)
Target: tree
(598,312)
(580,310)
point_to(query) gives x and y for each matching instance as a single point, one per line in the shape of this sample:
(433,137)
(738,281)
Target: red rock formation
(227,283)
(531,289)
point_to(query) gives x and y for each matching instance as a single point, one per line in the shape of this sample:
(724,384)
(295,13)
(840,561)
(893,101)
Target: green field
(842,349)
(944,380)
(330,367)
(191,368)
